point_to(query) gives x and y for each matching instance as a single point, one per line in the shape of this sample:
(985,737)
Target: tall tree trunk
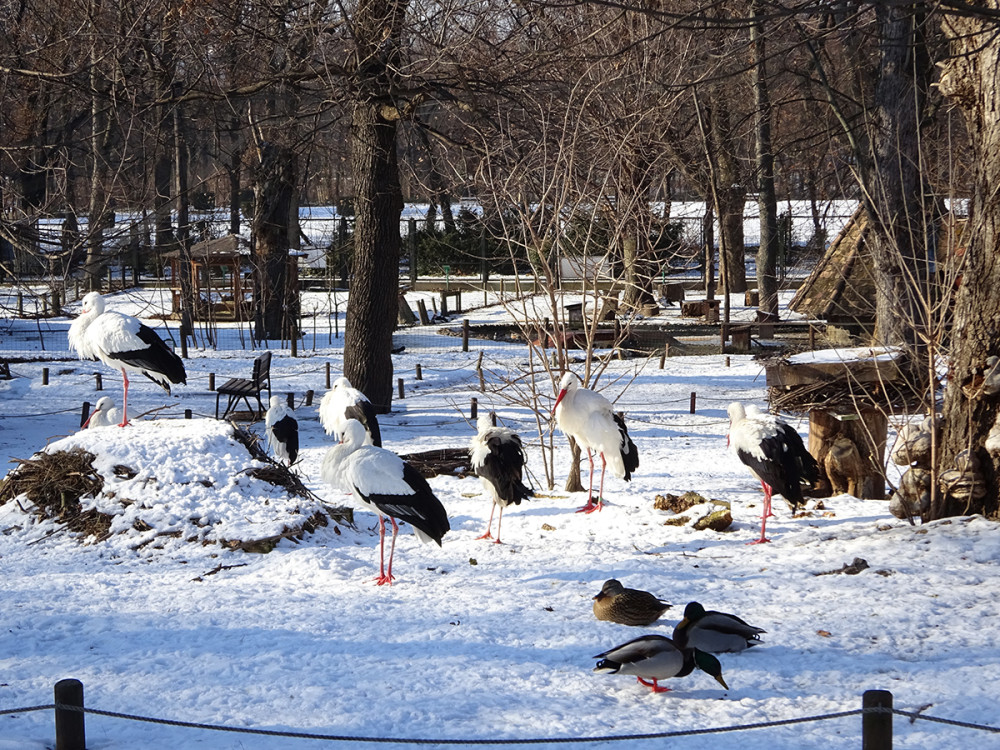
(767,252)
(893,192)
(972,80)
(378,204)
(274,191)
(188,302)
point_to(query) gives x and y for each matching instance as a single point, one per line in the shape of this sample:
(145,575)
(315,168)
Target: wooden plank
(857,370)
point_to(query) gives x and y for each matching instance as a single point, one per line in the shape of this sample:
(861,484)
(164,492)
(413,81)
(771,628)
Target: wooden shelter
(841,289)
(220,279)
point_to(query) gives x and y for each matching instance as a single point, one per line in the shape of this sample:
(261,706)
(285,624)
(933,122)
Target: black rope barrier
(452,741)
(867,710)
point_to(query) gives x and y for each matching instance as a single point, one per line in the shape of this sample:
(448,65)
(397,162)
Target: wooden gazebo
(220,278)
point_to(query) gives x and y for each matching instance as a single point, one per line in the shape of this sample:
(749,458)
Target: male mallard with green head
(715,632)
(656,657)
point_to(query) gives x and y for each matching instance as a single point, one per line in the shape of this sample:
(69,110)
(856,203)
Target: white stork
(589,419)
(386,485)
(124,343)
(498,460)
(774,453)
(343,402)
(103,415)
(282,431)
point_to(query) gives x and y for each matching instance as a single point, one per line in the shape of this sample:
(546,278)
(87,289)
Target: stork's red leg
(381,551)
(764,515)
(124,401)
(499,522)
(590,507)
(392,551)
(488,535)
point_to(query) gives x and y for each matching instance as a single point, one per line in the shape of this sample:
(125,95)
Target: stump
(864,433)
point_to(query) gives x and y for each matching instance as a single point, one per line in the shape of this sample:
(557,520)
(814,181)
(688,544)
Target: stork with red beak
(590,420)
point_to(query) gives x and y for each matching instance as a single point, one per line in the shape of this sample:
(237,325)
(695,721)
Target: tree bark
(274,190)
(378,203)
(893,192)
(972,80)
(767,252)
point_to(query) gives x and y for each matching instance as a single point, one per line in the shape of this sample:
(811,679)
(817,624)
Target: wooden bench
(243,388)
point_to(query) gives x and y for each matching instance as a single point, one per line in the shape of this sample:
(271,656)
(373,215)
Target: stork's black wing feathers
(156,359)
(630,456)
(364,412)
(286,432)
(422,509)
(503,467)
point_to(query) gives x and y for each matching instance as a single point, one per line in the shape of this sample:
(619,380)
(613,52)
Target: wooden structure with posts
(221,281)
(848,422)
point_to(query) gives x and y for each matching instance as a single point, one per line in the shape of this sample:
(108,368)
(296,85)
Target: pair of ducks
(655,657)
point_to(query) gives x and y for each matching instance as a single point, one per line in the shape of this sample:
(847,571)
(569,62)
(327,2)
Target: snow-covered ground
(475,641)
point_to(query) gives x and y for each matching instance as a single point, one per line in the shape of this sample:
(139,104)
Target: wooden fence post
(328,376)
(70,725)
(399,384)
(694,400)
(98,384)
(211,381)
(876,726)
(420,372)
(84,413)
(309,398)
(188,414)
(465,335)
(290,398)
(45,376)
(474,409)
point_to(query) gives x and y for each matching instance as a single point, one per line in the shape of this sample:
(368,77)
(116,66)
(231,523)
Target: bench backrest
(262,371)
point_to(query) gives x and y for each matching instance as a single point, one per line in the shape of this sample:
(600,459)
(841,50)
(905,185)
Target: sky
(474,641)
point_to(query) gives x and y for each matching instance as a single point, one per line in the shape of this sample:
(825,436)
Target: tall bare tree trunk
(378,204)
(767,252)
(892,181)
(274,190)
(972,80)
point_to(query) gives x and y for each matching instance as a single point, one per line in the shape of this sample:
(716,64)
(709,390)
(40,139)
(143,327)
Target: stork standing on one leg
(774,453)
(342,402)
(124,343)
(590,420)
(498,460)
(384,484)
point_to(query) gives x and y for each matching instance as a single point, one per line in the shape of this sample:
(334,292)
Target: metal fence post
(70,730)
(876,726)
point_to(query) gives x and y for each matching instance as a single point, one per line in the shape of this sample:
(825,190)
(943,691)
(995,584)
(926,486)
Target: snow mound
(185,481)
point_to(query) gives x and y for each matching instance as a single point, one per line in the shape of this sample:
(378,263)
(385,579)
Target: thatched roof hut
(841,289)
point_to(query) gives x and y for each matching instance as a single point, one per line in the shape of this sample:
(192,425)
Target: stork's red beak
(560,398)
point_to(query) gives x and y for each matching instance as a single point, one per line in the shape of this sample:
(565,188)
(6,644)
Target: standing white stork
(343,402)
(282,431)
(384,484)
(498,460)
(589,419)
(103,415)
(774,453)
(124,343)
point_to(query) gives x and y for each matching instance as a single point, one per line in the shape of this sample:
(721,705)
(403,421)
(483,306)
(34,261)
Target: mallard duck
(656,657)
(715,632)
(616,603)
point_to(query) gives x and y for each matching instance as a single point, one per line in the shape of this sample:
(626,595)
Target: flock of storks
(383,483)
